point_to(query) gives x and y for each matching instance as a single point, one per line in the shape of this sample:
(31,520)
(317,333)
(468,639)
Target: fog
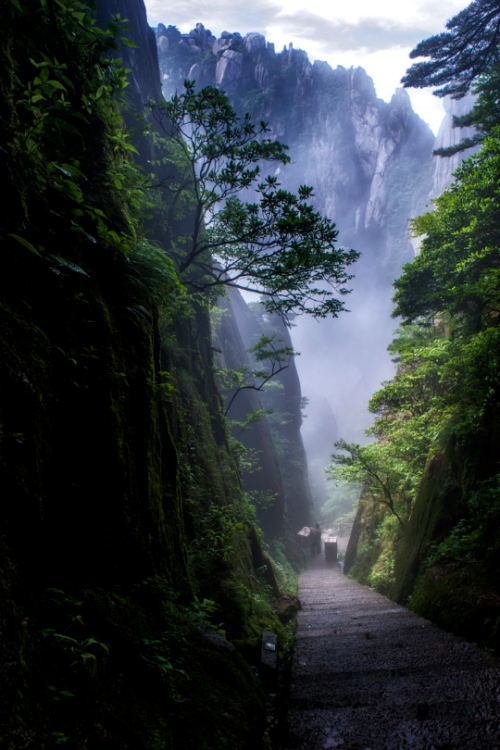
(344,360)
(371,167)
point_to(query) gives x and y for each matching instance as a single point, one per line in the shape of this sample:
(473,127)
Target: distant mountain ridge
(369,161)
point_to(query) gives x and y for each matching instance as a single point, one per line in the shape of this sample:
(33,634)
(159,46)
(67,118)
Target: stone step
(368,674)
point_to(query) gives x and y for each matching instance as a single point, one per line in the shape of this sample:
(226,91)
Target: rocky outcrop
(142,60)
(369,161)
(229,69)
(265,476)
(447,136)
(280,461)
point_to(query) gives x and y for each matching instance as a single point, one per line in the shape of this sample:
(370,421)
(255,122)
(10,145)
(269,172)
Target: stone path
(368,674)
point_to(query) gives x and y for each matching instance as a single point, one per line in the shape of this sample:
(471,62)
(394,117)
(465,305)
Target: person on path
(316,540)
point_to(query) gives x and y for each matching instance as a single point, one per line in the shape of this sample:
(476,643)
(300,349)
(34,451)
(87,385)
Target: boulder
(228,69)
(194,47)
(195,73)
(163,44)
(221,44)
(201,37)
(254,43)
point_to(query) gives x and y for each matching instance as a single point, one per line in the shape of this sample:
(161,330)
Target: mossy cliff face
(446,567)
(265,476)
(275,442)
(370,553)
(118,504)
(224,551)
(444,564)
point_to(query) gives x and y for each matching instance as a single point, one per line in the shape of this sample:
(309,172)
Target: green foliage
(56,105)
(168,651)
(80,650)
(87,460)
(339,508)
(381,473)
(460,55)
(248,377)
(446,389)
(465,542)
(71,139)
(278,246)
(484,115)
(286,572)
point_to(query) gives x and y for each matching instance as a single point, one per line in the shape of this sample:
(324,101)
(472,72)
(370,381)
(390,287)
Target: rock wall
(444,167)
(275,441)
(369,161)
(265,475)
(120,502)
(460,594)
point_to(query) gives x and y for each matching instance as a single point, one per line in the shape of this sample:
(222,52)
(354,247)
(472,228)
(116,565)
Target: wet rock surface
(368,674)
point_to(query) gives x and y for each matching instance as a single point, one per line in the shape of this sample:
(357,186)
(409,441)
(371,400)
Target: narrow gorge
(192,317)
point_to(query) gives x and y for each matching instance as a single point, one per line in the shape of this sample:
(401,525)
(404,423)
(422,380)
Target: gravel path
(368,674)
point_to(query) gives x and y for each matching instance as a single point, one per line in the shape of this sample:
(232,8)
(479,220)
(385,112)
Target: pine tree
(458,57)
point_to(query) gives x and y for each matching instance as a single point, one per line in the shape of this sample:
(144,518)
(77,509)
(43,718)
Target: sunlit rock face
(450,136)
(369,161)
(228,70)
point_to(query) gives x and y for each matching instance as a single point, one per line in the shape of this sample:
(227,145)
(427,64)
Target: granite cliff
(370,161)
(371,166)
(124,524)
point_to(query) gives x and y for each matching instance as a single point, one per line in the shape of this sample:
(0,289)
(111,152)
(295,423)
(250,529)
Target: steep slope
(449,136)
(122,501)
(263,475)
(275,441)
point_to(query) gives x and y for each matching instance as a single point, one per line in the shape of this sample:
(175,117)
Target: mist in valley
(371,166)
(345,360)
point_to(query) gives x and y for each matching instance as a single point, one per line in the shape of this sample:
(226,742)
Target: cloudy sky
(376,35)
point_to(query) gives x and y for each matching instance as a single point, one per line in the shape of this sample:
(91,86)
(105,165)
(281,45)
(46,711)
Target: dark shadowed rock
(258,437)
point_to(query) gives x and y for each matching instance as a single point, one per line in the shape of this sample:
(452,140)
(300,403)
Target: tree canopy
(274,243)
(459,56)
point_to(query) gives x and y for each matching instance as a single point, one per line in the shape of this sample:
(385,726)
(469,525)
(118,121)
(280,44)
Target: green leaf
(128,42)
(69,264)
(26,244)
(56,85)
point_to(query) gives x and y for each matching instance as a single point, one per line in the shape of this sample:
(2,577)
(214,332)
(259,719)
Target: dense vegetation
(134,578)
(427,524)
